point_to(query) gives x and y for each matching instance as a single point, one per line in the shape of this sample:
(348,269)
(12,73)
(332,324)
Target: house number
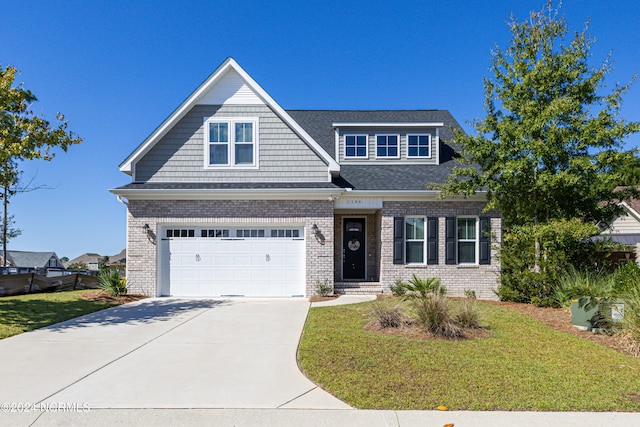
(354,245)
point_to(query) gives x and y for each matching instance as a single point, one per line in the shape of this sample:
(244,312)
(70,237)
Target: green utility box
(583,319)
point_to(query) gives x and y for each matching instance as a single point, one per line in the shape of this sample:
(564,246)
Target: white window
(414,240)
(418,145)
(355,146)
(387,146)
(231,143)
(467,236)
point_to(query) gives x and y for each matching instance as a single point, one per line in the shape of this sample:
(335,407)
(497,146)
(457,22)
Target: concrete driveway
(167,353)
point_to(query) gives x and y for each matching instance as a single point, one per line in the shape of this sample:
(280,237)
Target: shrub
(323,288)
(427,298)
(468,316)
(111,282)
(397,289)
(631,322)
(387,315)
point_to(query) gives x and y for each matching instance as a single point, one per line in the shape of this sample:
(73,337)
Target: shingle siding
(282,155)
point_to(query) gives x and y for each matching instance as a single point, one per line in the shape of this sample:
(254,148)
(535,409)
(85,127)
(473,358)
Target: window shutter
(398,240)
(485,240)
(432,241)
(450,241)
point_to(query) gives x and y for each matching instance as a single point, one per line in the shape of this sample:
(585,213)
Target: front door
(353,249)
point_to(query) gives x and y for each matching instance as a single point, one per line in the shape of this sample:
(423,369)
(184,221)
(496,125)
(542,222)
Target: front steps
(357,288)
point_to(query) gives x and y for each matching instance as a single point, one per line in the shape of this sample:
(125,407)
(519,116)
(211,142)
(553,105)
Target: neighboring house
(26,262)
(92,260)
(625,229)
(232,195)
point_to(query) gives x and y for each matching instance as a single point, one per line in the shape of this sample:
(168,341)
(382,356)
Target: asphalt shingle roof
(30,259)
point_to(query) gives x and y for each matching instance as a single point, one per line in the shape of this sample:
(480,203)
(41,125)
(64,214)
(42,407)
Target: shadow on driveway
(144,311)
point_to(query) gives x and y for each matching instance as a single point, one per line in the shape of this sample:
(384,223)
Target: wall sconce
(317,234)
(149,233)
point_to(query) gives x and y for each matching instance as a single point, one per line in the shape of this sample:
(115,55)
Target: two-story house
(233,195)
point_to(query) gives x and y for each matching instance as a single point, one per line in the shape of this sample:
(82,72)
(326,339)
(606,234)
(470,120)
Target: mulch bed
(102,296)
(556,318)
(413,331)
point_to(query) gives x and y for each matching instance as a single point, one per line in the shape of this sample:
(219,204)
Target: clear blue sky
(118,69)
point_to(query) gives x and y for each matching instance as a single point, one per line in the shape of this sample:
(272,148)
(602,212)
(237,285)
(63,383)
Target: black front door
(353,249)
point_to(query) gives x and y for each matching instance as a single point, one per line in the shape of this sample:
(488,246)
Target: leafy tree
(64,259)
(102,263)
(24,136)
(550,146)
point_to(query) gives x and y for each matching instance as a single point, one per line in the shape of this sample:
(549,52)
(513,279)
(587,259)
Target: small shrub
(468,316)
(323,288)
(387,315)
(631,323)
(431,307)
(110,281)
(398,289)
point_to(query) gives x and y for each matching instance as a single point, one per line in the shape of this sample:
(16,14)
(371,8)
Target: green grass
(522,365)
(27,312)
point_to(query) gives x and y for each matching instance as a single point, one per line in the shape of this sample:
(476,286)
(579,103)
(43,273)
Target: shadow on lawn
(147,311)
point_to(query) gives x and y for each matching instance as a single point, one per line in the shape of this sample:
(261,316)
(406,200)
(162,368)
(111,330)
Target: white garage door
(219,262)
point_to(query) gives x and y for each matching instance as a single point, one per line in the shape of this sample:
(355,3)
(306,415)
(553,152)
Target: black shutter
(398,240)
(450,241)
(485,240)
(432,241)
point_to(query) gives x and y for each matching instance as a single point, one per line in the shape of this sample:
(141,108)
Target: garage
(219,261)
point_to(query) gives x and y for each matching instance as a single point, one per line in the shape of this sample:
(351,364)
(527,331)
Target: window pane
(467,252)
(423,152)
(350,140)
(415,252)
(413,140)
(362,152)
(381,152)
(351,152)
(219,132)
(413,151)
(393,151)
(467,228)
(362,140)
(218,154)
(244,132)
(244,154)
(392,140)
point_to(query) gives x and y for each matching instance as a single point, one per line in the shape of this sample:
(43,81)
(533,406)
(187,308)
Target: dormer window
(418,145)
(387,146)
(355,146)
(231,143)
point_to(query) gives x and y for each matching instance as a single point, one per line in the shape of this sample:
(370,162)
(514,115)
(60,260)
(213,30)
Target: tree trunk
(5,225)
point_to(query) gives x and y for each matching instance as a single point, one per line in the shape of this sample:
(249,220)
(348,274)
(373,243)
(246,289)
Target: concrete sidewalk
(324,418)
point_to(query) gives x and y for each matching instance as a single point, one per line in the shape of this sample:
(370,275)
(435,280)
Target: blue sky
(118,69)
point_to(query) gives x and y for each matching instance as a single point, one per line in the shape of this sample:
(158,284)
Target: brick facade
(483,279)
(142,259)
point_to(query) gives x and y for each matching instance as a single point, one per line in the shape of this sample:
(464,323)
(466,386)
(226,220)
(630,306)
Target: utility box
(584,319)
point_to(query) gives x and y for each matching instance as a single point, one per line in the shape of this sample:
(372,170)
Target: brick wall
(141,249)
(483,279)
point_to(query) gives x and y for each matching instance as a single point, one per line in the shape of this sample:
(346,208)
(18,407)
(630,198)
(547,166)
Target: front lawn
(522,365)
(27,312)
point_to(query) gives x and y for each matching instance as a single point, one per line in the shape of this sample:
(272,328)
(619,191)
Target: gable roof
(30,259)
(204,90)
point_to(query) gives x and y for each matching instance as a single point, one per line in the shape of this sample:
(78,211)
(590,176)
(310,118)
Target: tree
(550,146)
(78,266)
(549,152)
(24,136)
(102,263)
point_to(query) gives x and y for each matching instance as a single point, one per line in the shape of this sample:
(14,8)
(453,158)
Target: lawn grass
(23,313)
(522,365)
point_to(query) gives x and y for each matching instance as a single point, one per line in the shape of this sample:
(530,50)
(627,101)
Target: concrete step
(357,288)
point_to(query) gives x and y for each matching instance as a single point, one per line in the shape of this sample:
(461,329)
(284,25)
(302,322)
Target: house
(233,195)
(625,229)
(27,262)
(92,260)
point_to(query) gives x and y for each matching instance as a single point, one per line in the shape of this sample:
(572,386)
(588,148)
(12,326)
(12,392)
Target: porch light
(314,229)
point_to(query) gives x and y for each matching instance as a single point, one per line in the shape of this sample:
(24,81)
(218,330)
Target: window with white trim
(467,236)
(231,142)
(414,240)
(355,146)
(418,145)
(387,146)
